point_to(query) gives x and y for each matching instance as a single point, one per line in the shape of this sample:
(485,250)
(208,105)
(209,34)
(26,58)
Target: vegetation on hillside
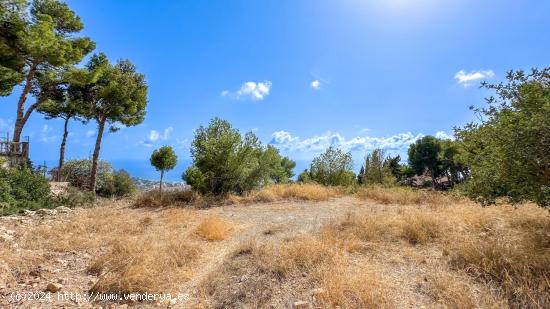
(225,161)
(508,151)
(109,182)
(331,168)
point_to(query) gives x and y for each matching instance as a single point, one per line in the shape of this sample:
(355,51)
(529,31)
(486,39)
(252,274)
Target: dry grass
(143,265)
(273,193)
(305,267)
(438,252)
(502,247)
(454,290)
(178,198)
(299,192)
(406,196)
(214,229)
(130,253)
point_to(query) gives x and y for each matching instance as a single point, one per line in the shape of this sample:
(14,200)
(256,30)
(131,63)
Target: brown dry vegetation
(300,192)
(214,229)
(304,265)
(124,252)
(175,198)
(406,196)
(504,247)
(382,248)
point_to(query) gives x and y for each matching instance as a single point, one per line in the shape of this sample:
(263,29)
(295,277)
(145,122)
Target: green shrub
(109,182)
(123,183)
(77,173)
(225,161)
(377,170)
(333,168)
(23,189)
(507,152)
(75,197)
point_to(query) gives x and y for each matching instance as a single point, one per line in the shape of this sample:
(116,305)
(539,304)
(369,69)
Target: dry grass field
(284,247)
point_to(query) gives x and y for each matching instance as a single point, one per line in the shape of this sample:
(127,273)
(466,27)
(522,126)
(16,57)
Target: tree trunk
(161,179)
(62,148)
(95,157)
(20,117)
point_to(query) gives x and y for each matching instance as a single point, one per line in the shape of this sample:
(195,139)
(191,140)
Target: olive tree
(163,159)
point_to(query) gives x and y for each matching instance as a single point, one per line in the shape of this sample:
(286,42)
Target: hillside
(348,251)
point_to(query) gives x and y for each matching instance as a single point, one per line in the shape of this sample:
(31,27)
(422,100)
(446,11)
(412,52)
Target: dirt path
(267,222)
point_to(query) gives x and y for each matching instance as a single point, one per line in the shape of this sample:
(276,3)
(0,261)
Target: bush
(508,151)
(224,161)
(23,189)
(333,168)
(75,197)
(154,199)
(77,172)
(109,182)
(118,184)
(376,169)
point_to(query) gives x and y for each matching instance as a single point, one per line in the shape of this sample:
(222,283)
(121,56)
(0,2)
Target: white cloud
(255,91)
(468,79)
(90,133)
(156,136)
(444,135)
(286,141)
(46,135)
(182,143)
(153,136)
(316,84)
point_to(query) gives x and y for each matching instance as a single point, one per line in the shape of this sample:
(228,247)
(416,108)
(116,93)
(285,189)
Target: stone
(5,237)
(317,291)
(46,212)
(27,212)
(63,209)
(54,287)
(301,305)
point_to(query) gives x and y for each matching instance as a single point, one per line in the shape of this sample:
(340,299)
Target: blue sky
(301,74)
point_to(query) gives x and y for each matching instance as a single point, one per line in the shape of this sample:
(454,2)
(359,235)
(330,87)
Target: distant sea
(144,170)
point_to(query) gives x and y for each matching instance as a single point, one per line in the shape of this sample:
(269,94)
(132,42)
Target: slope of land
(346,252)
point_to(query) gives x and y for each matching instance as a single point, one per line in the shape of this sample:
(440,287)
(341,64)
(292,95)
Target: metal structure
(14,152)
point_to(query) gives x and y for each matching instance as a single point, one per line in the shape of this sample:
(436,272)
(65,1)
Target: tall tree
(376,169)
(163,159)
(12,24)
(39,40)
(114,94)
(424,157)
(61,105)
